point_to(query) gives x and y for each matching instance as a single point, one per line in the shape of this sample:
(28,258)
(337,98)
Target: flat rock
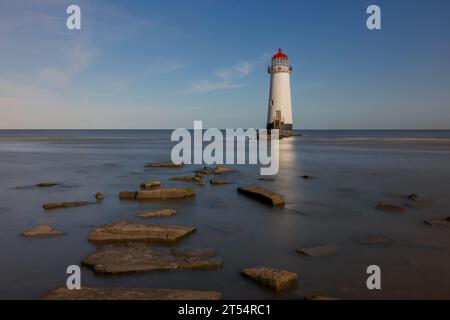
(134,231)
(164,165)
(277,279)
(218,181)
(166,193)
(57,205)
(320,298)
(390,207)
(144,257)
(263,195)
(318,251)
(103,293)
(267,179)
(374,240)
(186,178)
(157,213)
(221,169)
(128,194)
(42,230)
(150,184)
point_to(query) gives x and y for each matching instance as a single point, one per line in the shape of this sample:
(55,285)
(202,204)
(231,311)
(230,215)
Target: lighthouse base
(284,128)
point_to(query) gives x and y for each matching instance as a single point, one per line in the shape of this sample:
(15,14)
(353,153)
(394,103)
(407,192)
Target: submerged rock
(56,205)
(201,182)
(221,169)
(218,181)
(104,293)
(390,207)
(157,213)
(164,165)
(434,222)
(144,257)
(42,230)
(306,177)
(167,193)
(373,240)
(277,279)
(47,184)
(150,184)
(203,172)
(267,179)
(99,196)
(320,298)
(186,178)
(318,251)
(128,194)
(263,195)
(133,231)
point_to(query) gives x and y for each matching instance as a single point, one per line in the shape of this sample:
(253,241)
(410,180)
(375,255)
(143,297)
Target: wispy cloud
(229,78)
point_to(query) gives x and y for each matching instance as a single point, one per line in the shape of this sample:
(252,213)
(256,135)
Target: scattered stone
(150,184)
(221,169)
(128,194)
(99,196)
(374,240)
(186,178)
(157,213)
(320,298)
(277,279)
(144,257)
(42,230)
(413,196)
(390,207)
(164,165)
(57,205)
(133,231)
(103,293)
(267,179)
(218,181)
(168,193)
(47,184)
(444,222)
(263,195)
(318,251)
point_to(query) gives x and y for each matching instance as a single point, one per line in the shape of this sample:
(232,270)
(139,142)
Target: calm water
(354,170)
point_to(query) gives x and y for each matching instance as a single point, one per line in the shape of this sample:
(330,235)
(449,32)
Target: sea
(350,173)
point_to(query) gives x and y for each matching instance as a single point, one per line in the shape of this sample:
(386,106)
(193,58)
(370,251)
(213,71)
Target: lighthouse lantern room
(280,109)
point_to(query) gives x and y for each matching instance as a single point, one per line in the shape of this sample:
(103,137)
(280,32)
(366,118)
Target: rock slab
(157,213)
(318,251)
(133,231)
(56,205)
(104,293)
(144,257)
(166,193)
(42,230)
(262,195)
(277,279)
(164,165)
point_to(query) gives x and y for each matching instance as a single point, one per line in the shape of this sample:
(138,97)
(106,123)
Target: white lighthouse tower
(279,115)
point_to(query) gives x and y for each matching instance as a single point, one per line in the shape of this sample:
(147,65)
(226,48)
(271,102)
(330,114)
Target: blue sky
(164,64)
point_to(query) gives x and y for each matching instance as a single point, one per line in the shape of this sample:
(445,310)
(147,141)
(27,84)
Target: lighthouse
(279,115)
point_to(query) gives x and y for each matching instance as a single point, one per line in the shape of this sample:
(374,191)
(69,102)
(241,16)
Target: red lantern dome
(279,55)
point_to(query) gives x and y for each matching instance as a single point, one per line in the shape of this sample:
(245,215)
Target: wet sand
(352,172)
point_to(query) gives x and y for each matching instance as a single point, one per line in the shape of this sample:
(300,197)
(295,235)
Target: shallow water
(352,170)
